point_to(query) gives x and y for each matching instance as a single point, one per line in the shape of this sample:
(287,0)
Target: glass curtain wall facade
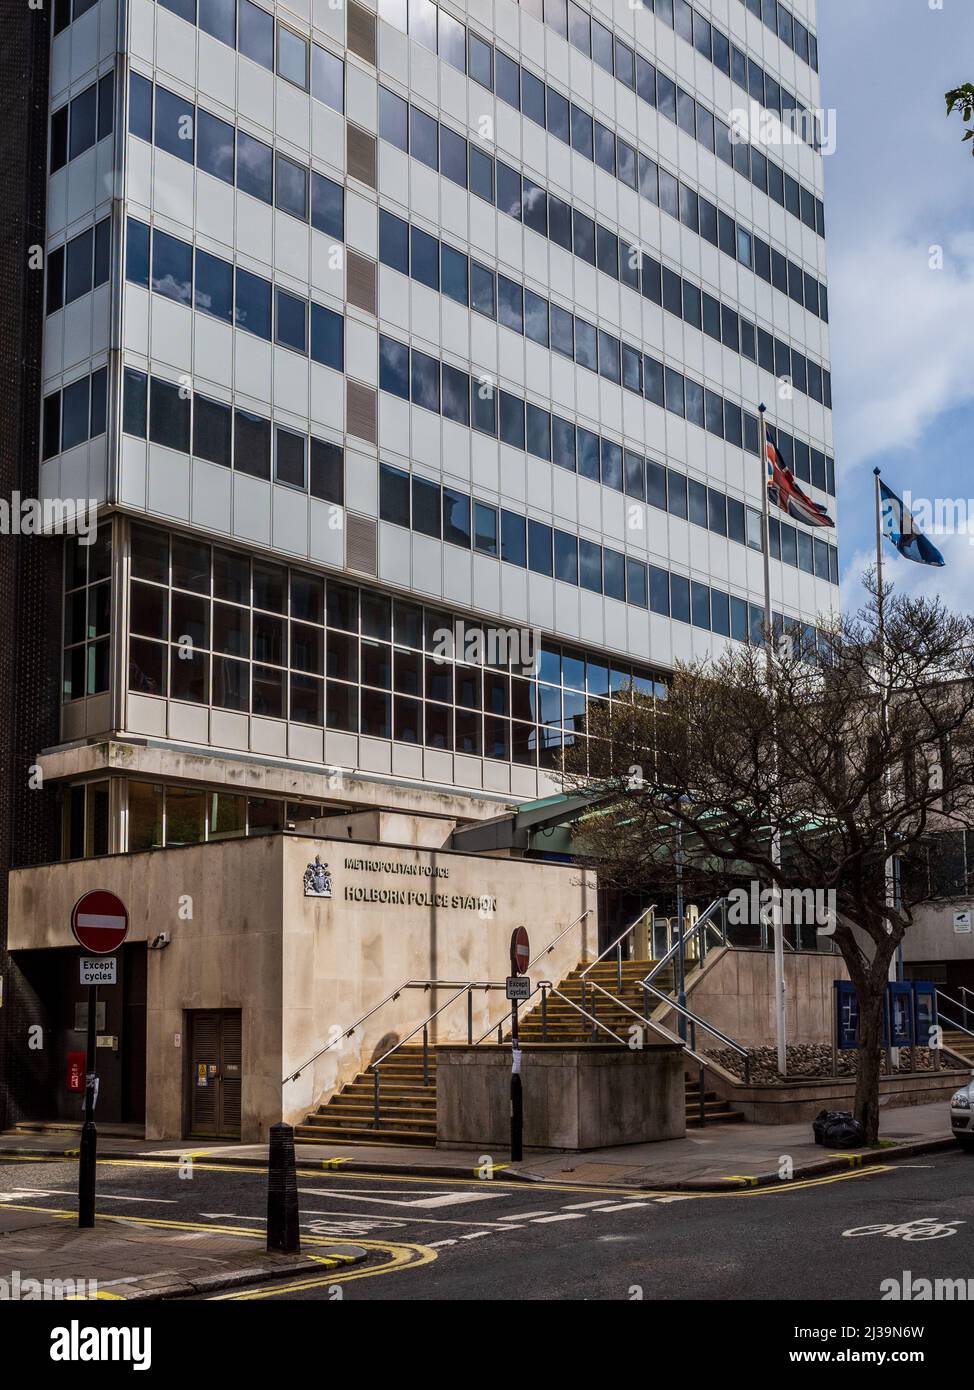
(365,323)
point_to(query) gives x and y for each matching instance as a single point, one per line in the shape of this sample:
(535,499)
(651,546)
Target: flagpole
(766,514)
(781,1035)
(889,869)
(879,568)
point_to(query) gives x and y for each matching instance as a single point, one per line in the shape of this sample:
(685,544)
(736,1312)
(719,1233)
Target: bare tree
(849,755)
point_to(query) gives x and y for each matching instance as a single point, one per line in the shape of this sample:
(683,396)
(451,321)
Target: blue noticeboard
(846,1015)
(924,1010)
(909,1015)
(899,1006)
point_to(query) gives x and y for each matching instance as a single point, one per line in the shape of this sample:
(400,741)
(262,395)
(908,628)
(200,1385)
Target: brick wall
(30,568)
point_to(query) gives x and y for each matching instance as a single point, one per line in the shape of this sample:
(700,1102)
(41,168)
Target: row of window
(347,683)
(198,279)
(244,25)
(323,75)
(79,266)
(208,429)
(446,514)
(194,277)
(709,41)
(440,148)
(442,268)
(520,88)
(66,11)
(194,135)
(210,625)
(476,403)
(87,616)
(82,122)
(158,816)
(75,414)
(780,21)
(161,816)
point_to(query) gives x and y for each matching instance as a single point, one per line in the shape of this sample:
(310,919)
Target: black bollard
(282,1192)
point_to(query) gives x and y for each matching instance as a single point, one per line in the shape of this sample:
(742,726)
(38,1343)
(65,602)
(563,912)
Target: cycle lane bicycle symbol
(923,1228)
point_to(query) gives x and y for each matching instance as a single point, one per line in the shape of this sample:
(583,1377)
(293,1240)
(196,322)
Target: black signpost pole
(89,1135)
(517,1096)
(518,936)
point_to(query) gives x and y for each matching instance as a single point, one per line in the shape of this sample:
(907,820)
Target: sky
(899,202)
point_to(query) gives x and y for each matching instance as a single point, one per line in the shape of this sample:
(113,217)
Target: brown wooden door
(215,1073)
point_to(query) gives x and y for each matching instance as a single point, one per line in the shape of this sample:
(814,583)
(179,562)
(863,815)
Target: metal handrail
(941,994)
(485,985)
(546,984)
(498,1026)
(617,944)
(701,1059)
(702,923)
(419,984)
(547,950)
(468,989)
(700,1023)
(363,1018)
(534,960)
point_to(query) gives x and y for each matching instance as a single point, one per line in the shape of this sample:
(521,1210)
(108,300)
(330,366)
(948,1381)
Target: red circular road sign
(99,922)
(520,950)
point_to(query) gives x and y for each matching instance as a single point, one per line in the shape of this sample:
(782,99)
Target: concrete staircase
(408,1106)
(408,1102)
(960,1044)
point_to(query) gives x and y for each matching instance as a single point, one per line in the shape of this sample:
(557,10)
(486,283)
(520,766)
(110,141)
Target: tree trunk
(870,1059)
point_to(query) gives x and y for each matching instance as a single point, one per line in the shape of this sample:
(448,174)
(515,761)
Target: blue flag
(899,526)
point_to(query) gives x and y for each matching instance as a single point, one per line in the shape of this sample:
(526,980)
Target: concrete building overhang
(153,760)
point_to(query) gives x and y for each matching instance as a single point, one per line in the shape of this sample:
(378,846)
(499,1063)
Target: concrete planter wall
(791,1102)
(575,1097)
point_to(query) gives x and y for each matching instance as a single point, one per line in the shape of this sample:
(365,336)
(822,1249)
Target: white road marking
(398,1220)
(561,1216)
(626,1206)
(582,1206)
(72,1192)
(431,1199)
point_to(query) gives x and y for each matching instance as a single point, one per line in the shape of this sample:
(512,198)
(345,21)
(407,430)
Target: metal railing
(690,1048)
(595,1022)
(955,1004)
(428,986)
(499,1025)
(696,937)
(467,988)
(617,944)
(374,1067)
(425,985)
(694,945)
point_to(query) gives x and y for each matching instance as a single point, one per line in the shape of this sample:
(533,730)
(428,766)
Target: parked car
(962,1117)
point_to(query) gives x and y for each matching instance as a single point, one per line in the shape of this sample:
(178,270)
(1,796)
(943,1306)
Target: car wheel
(966,1141)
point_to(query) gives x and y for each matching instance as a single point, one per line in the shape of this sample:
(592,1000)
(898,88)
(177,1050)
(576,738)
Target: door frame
(189,1073)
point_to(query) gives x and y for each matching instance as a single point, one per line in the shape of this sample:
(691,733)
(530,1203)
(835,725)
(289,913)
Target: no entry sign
(520,951)
(99,922)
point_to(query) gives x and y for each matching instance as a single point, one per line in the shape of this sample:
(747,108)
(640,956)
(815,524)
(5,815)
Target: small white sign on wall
(962,922)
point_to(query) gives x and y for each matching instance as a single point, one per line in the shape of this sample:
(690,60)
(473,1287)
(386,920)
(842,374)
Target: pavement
(713,1159)
(122,1261)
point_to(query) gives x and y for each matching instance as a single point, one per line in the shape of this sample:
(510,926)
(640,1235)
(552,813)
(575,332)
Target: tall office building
(363,324)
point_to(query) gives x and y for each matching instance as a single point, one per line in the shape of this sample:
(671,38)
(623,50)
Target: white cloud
(900,341)
(954,584)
